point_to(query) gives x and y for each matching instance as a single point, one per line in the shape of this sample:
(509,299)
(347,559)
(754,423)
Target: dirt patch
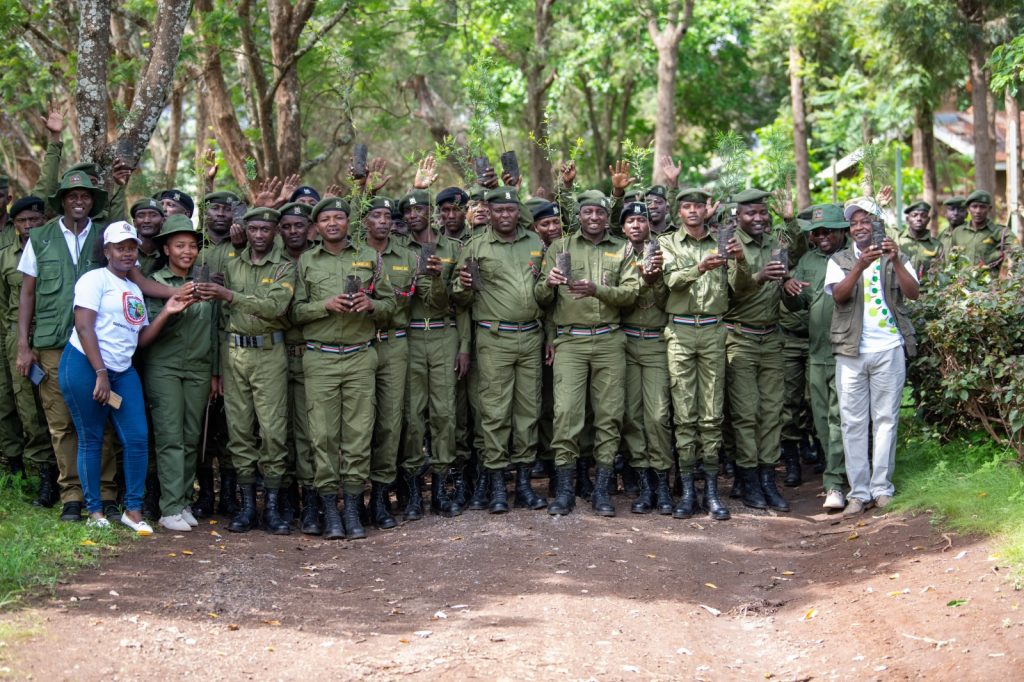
(525,595)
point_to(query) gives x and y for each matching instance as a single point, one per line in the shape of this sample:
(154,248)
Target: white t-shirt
(120,315)
(28,264)
(879,331)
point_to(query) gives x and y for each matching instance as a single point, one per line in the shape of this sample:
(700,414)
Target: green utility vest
(55,284)
(848,318)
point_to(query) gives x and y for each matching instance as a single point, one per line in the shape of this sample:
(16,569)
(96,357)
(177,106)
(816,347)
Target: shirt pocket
(50,280)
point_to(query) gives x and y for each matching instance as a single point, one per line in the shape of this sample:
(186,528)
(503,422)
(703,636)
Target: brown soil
(527,596)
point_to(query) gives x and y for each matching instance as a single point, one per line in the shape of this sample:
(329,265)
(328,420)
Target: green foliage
(36,548)
(1007,66)
(734,159)
(970,371)
(970,484)
(641,161)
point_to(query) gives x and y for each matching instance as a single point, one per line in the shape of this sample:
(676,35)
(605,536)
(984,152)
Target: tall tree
(800,154)
(973,13)
(91,91)
(666,38)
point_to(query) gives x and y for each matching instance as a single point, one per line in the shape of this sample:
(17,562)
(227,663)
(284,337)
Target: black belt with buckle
(264,341)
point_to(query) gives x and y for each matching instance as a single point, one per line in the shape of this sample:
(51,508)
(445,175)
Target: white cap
(866,204)
(119,232)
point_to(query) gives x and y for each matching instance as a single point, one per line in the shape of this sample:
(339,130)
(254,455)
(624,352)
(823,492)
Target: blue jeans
(77,380)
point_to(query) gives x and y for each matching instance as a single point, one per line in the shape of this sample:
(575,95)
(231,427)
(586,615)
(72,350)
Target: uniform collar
(521,233)
(606,237)
(273,256)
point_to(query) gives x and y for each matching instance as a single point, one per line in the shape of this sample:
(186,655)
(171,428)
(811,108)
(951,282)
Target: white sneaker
(97,523)
(141,528)
(835,500)
(186,514)
(175,522)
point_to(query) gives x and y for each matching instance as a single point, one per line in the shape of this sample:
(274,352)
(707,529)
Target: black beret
(451,194)
(29,203)
(178,197)
(304,191)
(544,210)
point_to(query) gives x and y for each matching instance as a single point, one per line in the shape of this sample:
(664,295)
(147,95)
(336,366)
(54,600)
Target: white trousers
(870,389)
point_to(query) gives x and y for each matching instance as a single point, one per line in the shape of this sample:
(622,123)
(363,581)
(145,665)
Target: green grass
(37,549)
(971,484)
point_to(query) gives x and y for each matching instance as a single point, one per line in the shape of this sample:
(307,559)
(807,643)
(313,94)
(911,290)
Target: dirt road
(528,596)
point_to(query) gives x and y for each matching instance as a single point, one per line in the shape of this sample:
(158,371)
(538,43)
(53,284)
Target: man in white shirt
(871,336)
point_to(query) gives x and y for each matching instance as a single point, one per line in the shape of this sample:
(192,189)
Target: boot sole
(754,506)
(355,536)
(335,536)
(312,531)
(607,514)
(634,510)
(534,507)
(723,517)
(499,510)
(780,509)
(556,511)
(386,526)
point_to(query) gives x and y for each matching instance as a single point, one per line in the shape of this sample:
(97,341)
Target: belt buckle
(377,334)
(257,342)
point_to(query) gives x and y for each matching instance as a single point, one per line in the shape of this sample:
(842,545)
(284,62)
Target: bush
(969,373)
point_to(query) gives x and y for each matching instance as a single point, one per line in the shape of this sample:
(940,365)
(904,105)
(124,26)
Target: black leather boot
(819,456)
(245,517)
(481,498)
(460,488)
(728,464)
(410,484)
(736,492)
(48,492)
(772,496)
(662,494)
(751,494)
(350,517)
(600,500)
(538,470)
(686,506)
(310,523)
(272,521)
(441,501)
(791,457)
(380,517)
(565,492)
(525,495)
(205,503)
(584,486)
(288,503)
(644,503)
(71,511)
(712,503)
(228,504)
(499,495)
(333,528)
(631,480)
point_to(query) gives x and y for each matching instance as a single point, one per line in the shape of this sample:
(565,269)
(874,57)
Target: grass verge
(36,548)
(971,484)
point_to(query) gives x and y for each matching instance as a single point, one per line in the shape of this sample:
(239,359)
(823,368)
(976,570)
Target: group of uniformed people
(335,342)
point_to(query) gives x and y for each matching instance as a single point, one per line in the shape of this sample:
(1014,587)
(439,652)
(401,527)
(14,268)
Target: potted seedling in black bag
(476,283)
(726,231)
(510,165)
(359,153)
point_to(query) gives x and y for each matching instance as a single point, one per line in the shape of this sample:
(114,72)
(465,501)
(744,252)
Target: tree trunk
(924,157)
(91,91)
(174,140)
(984,144)
(796,96)
(152,89)
(286,24)
(666,41)
(260,107)
(1013,168)
(214,91)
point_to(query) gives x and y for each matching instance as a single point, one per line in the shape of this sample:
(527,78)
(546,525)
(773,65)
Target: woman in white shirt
(96,374)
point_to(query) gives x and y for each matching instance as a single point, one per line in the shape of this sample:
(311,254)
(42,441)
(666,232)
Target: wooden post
(1013,169)
(899,185)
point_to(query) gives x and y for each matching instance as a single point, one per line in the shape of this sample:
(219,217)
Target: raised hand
(671,170)
(621,179)
(121,171)
(54,121)
(333,190)
(426,173)
(291,183)
(376,177)
(266,192)
(568,174)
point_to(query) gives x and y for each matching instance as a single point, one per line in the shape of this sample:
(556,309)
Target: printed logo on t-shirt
(134,308)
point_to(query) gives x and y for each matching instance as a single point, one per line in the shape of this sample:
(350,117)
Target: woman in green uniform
(177,374)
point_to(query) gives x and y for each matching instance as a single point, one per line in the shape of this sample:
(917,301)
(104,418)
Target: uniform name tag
(362,264)
(400,268)
(535,253)
(611,254)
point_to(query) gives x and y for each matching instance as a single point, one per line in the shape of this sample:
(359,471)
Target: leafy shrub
(969,372)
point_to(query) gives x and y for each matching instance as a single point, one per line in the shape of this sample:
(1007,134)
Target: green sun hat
(177,224)
(78,179)
(829,216)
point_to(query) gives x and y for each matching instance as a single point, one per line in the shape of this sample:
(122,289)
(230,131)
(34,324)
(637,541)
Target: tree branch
(507,53)
(300,53)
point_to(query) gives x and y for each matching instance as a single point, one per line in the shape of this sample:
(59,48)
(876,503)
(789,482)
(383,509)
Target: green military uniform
(397,265)
(509,343)
(985,246)
(822,365)
(796,417)
(434,341)
(11,430)
(696,346)
(299,466)
(57,273)
(177,370)
(255,364)
(646,424)
(38,450)
(754,356)
(340,363)
(923,253)
(589,344)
